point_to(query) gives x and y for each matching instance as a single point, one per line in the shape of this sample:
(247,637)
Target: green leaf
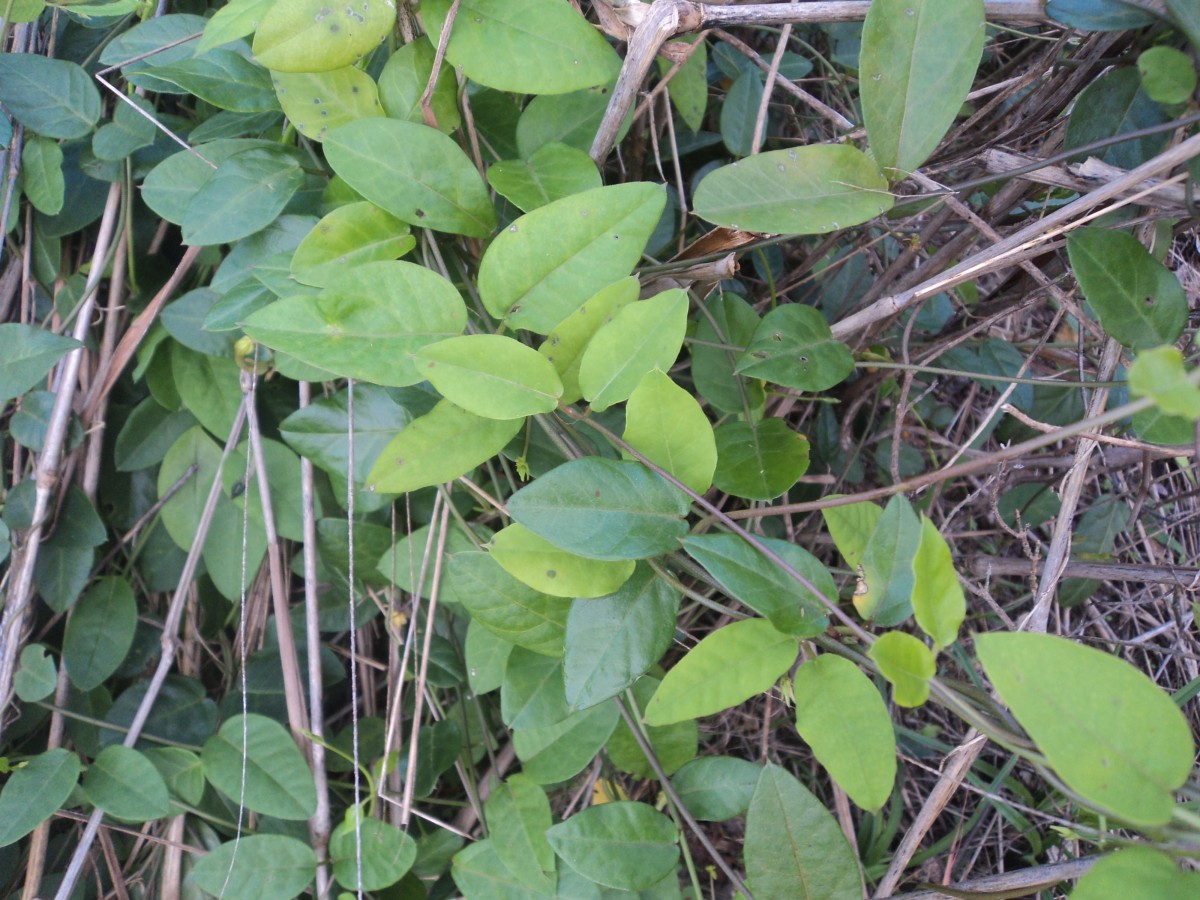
(887,576)
(672,745)
(938,601)
(603,509)
(318,102)
(182,714)
(27,354)
(851,526)
(612,641)
(570,119)
(729,320)
(804,190)
(917,64)
(523,46)
(441,445)
(53,97)
(560,752)
(209,387)
(506,607)
(1137,871)
(181,770)
(125,784)
(100,632)
(128,131)
(41,164)
(34,791)
(565,344)
(546,568)
(314,36)
(739,112)
(417,174)
(224,78)
(553,171)
(518,814)
(247,193)
(907,664)
(750,577)
(1115,104)
(1159,374)
(277,780)
(486,656)
(346,238)
(640,338)
(236,19)
(623,845)
(547,263)
(840,714)
(1168,75)
(265,866)
(387,853)
(531,695)
(478,871)
(1098,15)
(170,187)
(759,461)
(665,424)
(1108,731)
(688,87)
(1139,300)
(491,375)
(728,667)
(366,322)
(37,677)
(716,788)
(794,847)
(794,347)
(403,81)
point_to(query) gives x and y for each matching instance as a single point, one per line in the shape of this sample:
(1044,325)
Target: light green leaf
(403,81)
(491,375)
(366,322)
(907,664)
(318,102)
(1108,731)
(716,788)
(37,677)
(1139,300)
(277,779)
(553,171)
(794,347)
(804,190)
(524,46)
(565,344)
(518,814)
(603,509)
(759,461)
(416,173)
(224,78)
(728,667)
(438,447)
(665,424)
(100,632)
(27,354)
(506,607)
(640,338)
(1159,374)
(840,714)
(851,526)
(236,19)
(1137,872)
(387,853)
(623,845)
(917,63)
(125,784)
(1168,75)
(34,791)
(885,592)
(937,599)
(264,866)
(547,263)
(209,387)
(750,577)
(531,695)
(347,237)
(41,164)
(53,97)
(612,641)
(478,871)
(315,36)
(794,847)
(546,568)
(247,193)
(558,753)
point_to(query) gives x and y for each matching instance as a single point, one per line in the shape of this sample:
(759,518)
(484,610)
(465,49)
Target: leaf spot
(420,213)
(512,228)
(550,573)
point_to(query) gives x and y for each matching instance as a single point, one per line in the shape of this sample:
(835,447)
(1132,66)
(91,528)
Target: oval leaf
(565,344)
(34,791)
(804,190)
(314,35)
(277,779)
(264,866)
(1137,871)
(603,509)
(840,714)
(518,814)
(491,375)
(349,236)
(506,607)
(1109,732)
(318,102)
(550,570)
(27,354)
(125,784)
(554,171)
(247,193)
(759,461)
(938,601)
(100,632)
(729,666)
(907,664)
(794,346)
(665,424)
(53,97)
(623,845)
(387,853)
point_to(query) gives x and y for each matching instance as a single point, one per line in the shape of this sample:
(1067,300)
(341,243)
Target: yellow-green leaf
(907,664)
(565,344)
(546,568)
(315,35)
(491,375)
(666,424)
(938,601)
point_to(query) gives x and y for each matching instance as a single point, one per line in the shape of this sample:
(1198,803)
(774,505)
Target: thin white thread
(237,836)
(358,858)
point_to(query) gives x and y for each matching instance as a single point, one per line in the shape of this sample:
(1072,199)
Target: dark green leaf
(224,78)
(264,866)
(761,461)
(37,677)
(34,791)
(716,788)
(27,354)
(100,632)
(247,192)
(53,97)
(276,779)
(794,347)
(387,853)
(623,845)
(125,784)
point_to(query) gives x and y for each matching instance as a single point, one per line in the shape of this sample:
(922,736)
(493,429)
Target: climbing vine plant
(407,493)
